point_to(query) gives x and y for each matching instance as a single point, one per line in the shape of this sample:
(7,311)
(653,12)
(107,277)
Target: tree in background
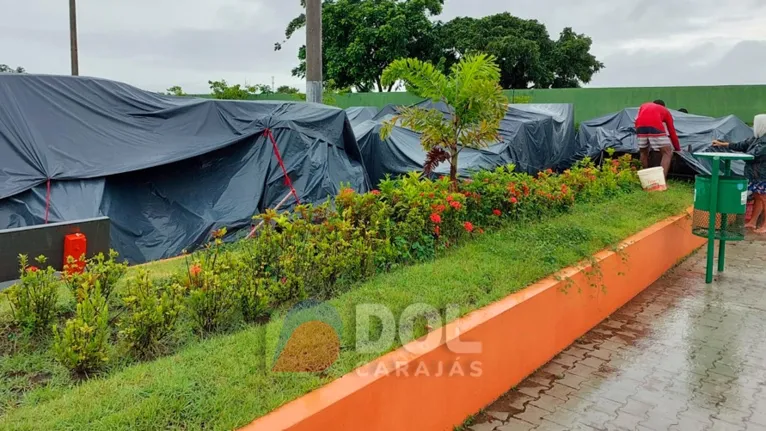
(286,89)
(473,94)
(175,90)
(222,90)
(4,68)
(362,37)
(526,54)
(572,61)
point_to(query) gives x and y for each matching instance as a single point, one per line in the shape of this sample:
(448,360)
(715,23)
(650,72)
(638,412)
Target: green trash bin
(720,203)
(730,209)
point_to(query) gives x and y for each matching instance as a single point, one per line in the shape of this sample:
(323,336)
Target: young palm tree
(474,98)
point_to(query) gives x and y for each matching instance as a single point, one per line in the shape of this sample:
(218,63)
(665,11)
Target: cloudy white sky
(155,44)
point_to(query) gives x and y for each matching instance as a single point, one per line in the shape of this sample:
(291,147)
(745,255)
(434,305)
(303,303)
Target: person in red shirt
(651,123)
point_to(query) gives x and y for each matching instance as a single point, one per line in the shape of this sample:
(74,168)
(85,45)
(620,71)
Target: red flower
(440,208)
(436,218)
(468,226)
(376,192)
(497,212)
(449,198)
(195,269)
(431,195)
(437,231)
(456,205)
(467,194)
(526,190)
(33,269)
(564,189)
(283,280)
(514,200)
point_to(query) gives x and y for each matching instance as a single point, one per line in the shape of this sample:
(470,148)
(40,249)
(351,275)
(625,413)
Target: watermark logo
(310,340)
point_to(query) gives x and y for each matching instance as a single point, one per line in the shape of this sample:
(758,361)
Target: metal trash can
(720,204)
(731,202)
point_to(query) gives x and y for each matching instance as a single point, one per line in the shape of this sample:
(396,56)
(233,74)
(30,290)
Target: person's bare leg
(644,152)
(762,198)
(757,210)
(667,157)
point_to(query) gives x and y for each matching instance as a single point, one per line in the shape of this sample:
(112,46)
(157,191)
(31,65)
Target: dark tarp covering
(386,111)
(535,137)
(360,114)
(695,133)
(166,170)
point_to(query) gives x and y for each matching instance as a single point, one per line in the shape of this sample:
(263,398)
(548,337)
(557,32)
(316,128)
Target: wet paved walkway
(680,356)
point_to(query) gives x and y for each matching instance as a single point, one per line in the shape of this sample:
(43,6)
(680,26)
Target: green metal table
(725,193)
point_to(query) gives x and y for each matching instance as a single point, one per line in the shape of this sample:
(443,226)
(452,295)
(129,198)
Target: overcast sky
(155,44)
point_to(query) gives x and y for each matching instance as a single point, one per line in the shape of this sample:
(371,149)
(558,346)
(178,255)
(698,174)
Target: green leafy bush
(100,271)
(153,310)
(33,300)
(82,345)
(212,280)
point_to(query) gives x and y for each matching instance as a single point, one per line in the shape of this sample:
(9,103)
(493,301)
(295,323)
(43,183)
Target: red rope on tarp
(47,200)
(270,135)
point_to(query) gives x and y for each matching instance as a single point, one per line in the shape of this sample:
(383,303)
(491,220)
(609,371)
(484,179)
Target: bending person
(755,170)
(651,122)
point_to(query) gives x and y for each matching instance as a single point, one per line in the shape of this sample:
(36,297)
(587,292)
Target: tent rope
(269,134)
(47,200)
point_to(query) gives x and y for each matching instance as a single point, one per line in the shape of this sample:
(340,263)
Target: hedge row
(315,251)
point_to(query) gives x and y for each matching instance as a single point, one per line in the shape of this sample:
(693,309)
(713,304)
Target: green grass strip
(222,383)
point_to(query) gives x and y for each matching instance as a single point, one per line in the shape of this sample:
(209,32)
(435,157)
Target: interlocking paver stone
(516,425)
(625,421)
(681,355)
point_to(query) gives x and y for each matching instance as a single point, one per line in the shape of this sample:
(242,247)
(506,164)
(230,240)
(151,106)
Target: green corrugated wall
(744,101)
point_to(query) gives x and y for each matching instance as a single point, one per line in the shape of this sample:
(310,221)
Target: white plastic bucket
(652,179)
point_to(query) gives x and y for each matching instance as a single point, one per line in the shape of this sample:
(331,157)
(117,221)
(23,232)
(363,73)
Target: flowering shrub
(100,271)
(82,345)
(33,300)
(211,280)
(153,309)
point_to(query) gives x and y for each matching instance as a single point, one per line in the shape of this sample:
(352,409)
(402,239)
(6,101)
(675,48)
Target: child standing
(755,170)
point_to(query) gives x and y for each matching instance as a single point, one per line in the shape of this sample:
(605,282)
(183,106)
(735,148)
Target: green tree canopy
(526,54)
(473,93)
(222,90)
(286,89)
(4,68)
(175,90)
(362,37)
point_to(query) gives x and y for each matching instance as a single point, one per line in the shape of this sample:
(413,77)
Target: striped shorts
(656,143)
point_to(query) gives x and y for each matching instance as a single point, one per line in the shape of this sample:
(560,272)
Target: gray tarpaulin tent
(534,137)
(360,114)
(166,170)
(695,133)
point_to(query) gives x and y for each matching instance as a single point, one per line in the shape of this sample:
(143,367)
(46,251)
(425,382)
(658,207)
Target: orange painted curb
(518,334)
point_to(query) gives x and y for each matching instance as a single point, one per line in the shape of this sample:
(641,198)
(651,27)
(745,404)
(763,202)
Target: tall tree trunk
(453,170)
(380,86)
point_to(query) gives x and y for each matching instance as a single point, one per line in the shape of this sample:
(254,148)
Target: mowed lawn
(225,382)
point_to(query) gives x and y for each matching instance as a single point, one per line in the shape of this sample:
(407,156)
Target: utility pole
(314,51)
(73,37)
